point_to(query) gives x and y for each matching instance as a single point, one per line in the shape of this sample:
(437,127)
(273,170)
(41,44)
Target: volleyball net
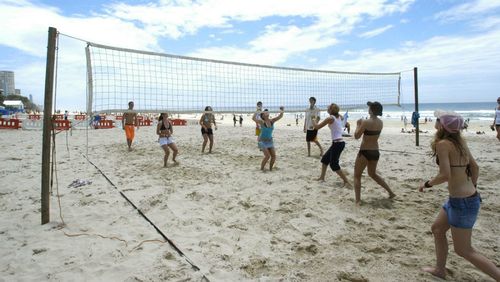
(159,82)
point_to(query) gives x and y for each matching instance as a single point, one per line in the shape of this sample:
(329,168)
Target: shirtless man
(129,121)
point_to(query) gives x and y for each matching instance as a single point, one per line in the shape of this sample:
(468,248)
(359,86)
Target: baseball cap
(451,121)
(376,108)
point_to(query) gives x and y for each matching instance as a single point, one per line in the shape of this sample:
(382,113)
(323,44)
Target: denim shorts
(462,212)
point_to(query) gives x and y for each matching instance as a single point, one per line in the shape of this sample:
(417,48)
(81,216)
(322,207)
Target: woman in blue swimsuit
(266,143)
(458,168)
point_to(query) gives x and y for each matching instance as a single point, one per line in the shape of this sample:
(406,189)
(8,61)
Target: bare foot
(176,163)
(347,185)
(392,195)
(358,203)
(434,271)
(321,179)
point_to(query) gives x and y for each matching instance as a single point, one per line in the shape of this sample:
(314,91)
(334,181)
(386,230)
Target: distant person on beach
(165,130)
(266,143)
(234,120)
(312,112)
(66,115)
(369,154)
(332,155)
(129,122)
(460,171)
(206,121)
(256,116)
(241,120)
(496,120)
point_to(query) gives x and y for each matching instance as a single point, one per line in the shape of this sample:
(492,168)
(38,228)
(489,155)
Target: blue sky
(455,44)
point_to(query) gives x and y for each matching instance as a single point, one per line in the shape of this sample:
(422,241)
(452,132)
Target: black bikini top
(372,132)
(467,167)
(163,126)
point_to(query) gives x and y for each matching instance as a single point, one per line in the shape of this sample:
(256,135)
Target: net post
(47,124)
(415,82)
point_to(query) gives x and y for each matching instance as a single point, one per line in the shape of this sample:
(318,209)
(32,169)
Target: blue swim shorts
(462,212)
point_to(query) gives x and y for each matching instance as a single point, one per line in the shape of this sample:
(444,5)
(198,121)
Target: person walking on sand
(496,119)
(206,121)
(332,155)
(266,143)
(241,120)
(312,112)
(458,168)
(369,154)
(165,130)
(234,120)
(129,122)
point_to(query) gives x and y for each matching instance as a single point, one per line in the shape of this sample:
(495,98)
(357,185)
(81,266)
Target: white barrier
(32,124)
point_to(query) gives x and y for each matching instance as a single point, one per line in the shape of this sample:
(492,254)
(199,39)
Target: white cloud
(469,10)
(375,32)
(448,65)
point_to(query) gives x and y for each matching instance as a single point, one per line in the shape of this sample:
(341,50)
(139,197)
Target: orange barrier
(119,117)
(179,122)
(58,117)
(103,124)
(146,122)
(10,124)
(140,118)
(34,117)
(80,117)
(61,124)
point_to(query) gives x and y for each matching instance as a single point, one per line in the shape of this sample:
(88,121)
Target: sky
(454,44)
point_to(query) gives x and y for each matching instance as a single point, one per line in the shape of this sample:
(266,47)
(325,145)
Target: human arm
(317,126)
(278,117)
(474,169)
(359,129)
(443,153)
(201,121)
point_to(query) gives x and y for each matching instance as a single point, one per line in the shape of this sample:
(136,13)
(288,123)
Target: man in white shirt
(311,134)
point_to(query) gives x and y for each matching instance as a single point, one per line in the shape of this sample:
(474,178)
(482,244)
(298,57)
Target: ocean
(472,111)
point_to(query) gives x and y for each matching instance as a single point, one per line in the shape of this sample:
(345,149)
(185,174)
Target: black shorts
(311,135)
(207,131)
(370,155)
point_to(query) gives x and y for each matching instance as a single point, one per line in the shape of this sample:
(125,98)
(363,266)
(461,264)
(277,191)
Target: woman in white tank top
(332,156)
(496,120)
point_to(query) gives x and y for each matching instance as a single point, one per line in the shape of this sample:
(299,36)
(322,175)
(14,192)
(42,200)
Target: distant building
(7,83)
(18,92)
(16,104)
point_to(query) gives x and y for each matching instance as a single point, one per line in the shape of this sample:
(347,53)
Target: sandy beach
(229,219)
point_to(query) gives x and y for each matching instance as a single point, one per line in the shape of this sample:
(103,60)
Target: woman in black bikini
(165,130)
(369,154)
(206,121)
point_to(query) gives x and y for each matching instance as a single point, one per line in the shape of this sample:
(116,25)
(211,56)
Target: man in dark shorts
(311,134)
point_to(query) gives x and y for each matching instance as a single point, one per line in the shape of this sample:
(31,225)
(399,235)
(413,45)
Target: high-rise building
(7,83)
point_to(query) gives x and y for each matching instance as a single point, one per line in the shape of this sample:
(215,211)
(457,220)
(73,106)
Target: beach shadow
(380,203)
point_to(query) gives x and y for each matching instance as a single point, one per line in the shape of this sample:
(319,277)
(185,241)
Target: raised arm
(359,129)
(318,126)
(278,117)
(474,169)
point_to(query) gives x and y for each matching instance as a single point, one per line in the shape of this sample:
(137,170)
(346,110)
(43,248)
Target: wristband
(427,185)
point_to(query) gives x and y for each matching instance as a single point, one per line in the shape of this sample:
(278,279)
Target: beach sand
(229,219)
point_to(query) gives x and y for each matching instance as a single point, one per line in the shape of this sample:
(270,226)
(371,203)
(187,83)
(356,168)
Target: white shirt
(309,115)
(336,128)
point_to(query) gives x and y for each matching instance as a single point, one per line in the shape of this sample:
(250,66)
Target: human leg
(338,147)
(267,155)
(272,153)
(308,148)
(319,146)
(439,229)
(174,150)
(167,153)
(462,245)
(359,167)
(372,172)
(205,140)
(211,138)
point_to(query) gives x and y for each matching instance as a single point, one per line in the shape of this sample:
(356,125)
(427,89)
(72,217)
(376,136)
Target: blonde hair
(335,109)
(455,138)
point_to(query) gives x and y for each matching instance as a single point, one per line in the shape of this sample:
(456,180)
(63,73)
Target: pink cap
(451,122)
